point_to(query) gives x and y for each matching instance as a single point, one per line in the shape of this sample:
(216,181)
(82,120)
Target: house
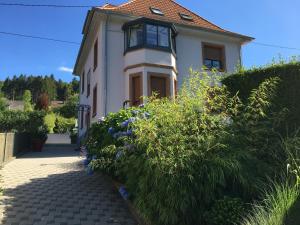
(141,46)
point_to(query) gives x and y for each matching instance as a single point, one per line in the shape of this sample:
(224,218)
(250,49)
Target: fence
(12,144)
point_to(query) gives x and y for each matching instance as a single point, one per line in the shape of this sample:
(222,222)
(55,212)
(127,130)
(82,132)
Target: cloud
(65,69)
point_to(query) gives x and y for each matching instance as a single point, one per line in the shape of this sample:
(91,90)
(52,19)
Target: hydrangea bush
(178,156)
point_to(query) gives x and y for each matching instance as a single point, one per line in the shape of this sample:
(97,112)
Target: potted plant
(38,138)
(73,135)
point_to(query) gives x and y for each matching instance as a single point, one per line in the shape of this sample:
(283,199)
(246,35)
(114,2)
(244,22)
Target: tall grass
(275,207)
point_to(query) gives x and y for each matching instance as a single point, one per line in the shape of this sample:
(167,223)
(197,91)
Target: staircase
(59,142)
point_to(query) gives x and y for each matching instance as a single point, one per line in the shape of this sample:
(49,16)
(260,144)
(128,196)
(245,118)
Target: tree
(27,101)
(42,102)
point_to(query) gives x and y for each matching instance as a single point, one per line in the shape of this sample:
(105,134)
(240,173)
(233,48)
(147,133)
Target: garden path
(51,187)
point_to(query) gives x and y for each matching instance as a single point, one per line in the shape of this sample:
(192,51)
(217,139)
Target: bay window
(147,33)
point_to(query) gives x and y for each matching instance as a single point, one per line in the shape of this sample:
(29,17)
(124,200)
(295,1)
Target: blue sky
(269,21)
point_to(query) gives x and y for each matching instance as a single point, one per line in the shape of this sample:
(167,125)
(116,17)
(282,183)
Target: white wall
(189,51)
(189,55)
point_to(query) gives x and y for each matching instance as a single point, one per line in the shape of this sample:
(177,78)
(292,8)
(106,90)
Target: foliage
(27,100)
(20,121)
(42,102)
(14,88)
(101,143)
(226,211)
(40,133)
(69,109)
(3,103)
(275,207)
(288,91)
(63,125)
(49,121)
(179,156)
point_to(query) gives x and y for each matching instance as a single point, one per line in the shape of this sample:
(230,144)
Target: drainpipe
(106,64)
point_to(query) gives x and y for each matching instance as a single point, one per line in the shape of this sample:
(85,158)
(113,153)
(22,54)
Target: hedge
(288,93)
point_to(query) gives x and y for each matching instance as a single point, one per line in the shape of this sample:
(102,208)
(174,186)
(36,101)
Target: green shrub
(199,147)
(63,125)
(288,92)
(226,211)
(186,153)
(69,109)
(275,207)
(20,121)
(49,121)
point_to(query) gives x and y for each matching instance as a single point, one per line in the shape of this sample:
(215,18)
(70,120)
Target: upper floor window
(95,101)
(186,17)
(214,57)
(136,35)
(146,33)
(95,54)
(88,84)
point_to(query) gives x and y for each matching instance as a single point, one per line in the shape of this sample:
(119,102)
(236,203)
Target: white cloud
(65,69)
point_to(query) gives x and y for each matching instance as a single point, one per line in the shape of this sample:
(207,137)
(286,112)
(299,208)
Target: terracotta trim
(160,75)
(151,65)
(213,45)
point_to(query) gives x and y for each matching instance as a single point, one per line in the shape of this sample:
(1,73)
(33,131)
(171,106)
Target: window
(151,35)
(136,35)
(163,36)
(95,54)
(136,89)
(81,119)
(88,84)
(214,57)
(156,11)
(95,101)
(159,84)
(82,82)
(186,17)
(157,36)
(87,119)
(147,33)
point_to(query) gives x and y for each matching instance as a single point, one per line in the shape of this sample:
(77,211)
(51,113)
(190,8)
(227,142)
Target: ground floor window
(159,84)
(136,89)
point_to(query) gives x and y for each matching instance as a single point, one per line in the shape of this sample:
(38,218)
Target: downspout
(106,65)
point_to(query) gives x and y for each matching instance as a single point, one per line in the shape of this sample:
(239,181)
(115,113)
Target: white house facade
(145,46)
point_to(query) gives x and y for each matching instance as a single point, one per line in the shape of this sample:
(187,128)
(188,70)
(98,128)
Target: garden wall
(13,144)
(288,93)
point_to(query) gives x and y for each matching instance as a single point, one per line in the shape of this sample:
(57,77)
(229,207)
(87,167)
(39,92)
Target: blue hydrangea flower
(135,112)
(142,106)
(119,154)
(129,132)
(111,130)
(125,124)
(132,120)
(123,192)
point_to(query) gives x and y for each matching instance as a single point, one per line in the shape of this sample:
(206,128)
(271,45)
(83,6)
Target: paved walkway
(52,187)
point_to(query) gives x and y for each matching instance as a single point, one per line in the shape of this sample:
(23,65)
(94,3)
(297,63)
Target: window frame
(95,99)
(95,54)
(88,89)
(172,33)
(159,75)
(131,91)
(223,56)
(156,11)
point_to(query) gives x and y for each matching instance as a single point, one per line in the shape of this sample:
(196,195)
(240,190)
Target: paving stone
(52,187)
